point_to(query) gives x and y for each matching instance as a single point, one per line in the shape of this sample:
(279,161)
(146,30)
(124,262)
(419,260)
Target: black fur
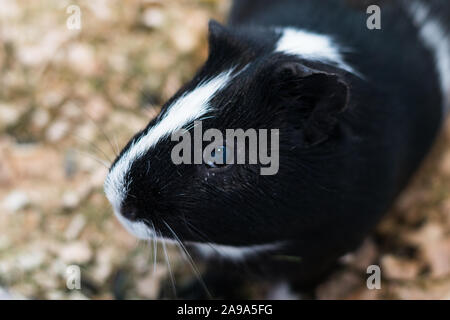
(348,145)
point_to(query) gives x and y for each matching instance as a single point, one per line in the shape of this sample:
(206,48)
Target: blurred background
(69,99)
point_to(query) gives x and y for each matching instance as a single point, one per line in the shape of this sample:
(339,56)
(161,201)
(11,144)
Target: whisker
(209,242)
(100,161)
(200,234)
(172,279)
(155,247)
(99,128)
(116,145)
(189,259)
(92,145)
(193,124)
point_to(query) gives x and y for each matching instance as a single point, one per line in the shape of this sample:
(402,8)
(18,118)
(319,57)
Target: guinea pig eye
(218,158)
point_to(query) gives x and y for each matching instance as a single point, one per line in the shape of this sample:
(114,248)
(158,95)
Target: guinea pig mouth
(146,230)
(137,228)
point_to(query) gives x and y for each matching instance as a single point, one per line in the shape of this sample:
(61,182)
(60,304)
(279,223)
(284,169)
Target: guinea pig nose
(130,212)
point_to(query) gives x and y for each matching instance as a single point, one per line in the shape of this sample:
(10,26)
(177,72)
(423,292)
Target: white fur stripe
(282,291)
(208,250)
(311,46)
(434,36)
(183,111)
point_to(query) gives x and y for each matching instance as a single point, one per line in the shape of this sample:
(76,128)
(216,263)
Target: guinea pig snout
(129,211)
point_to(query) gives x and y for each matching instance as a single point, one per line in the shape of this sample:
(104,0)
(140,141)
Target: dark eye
(218,158)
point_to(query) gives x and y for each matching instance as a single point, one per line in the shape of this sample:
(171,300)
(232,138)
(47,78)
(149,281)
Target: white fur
(311,46)
(138,229)
(183,111)
(282,291)
(434,36)
(208,250)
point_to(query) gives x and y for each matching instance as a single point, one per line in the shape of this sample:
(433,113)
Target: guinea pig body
(356,111)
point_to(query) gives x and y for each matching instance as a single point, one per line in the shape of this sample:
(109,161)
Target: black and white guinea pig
(357,110)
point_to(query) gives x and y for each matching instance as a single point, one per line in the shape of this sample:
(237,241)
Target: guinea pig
(355,111)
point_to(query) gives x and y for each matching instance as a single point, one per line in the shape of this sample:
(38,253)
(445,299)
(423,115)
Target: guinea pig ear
(217,33)
(215,29)
(315,98)
(223,41)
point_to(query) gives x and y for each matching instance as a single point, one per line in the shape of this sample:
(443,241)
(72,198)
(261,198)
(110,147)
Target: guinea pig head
(248,87)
